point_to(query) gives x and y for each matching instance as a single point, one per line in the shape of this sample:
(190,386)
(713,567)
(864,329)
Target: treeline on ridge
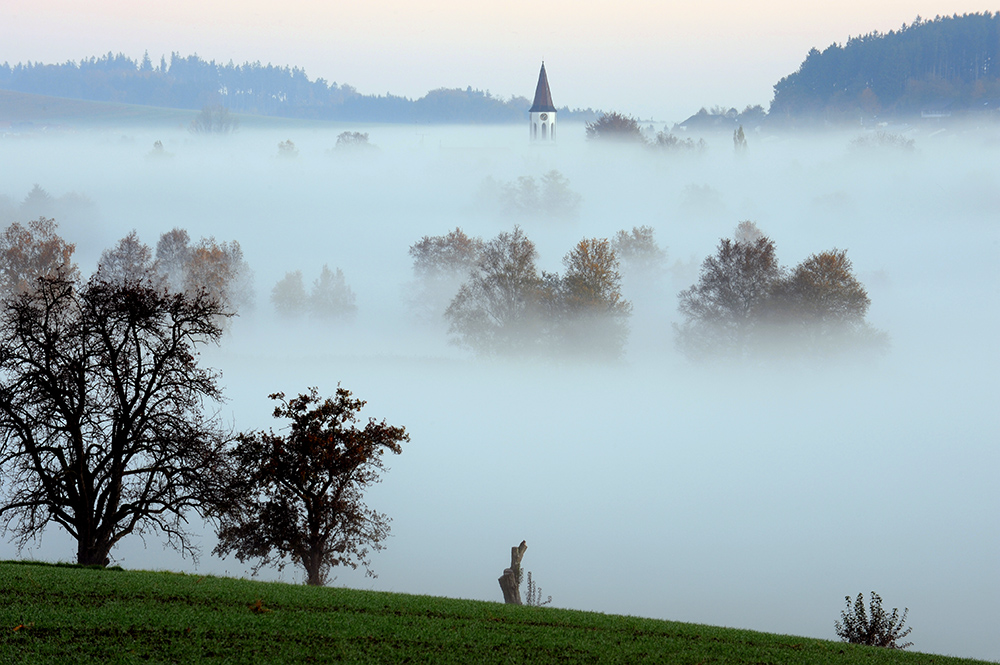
(193,83)
(946,64)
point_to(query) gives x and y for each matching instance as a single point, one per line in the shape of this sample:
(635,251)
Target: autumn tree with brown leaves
(33,251)
(592,314)
(745,303)
(103,429)
(508,307)
(220,269)
(821,306)
(300,495)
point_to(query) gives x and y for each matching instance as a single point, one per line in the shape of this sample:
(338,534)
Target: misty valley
(725,386)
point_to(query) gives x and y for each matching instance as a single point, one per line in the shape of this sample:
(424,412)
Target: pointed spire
(543,97)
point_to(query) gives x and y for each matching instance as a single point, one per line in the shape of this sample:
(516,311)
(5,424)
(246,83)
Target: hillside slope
(48,613)
(937,67)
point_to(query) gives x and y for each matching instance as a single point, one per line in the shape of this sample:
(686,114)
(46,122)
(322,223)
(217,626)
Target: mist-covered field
(753,496)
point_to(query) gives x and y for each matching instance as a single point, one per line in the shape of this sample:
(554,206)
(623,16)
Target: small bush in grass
(872,627)
(534,598)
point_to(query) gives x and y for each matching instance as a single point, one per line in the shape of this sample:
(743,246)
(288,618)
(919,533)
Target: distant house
(939,109)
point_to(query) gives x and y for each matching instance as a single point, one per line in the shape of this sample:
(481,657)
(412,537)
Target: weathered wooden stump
(510,581)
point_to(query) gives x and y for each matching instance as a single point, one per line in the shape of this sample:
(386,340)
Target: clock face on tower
(544,116)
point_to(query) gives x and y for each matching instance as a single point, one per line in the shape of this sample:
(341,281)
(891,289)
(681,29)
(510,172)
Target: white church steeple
(542,114)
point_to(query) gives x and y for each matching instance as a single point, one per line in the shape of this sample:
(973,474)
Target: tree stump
(510,581)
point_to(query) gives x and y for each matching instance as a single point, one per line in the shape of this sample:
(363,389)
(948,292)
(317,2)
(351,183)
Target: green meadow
(61,613)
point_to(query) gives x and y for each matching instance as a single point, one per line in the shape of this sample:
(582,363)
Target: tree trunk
(510,581)
(92,554)
(314,569)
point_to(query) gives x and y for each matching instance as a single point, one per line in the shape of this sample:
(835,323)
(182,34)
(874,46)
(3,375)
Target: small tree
(727,304)
(172,255)
(667,142)
(592,311)
(289,295)
(217,268)
(557,199)
(353,142)
(615,126)
(38,203)
(534,594)
(331,297)
(287,149)
(130,261)
(33,251)
(299,496)
(739,141)
(440,265)
(638,251)
(874,627)
(821,306)
(447,256)
(215,120)
(521,198)
(220,270)
(496,310)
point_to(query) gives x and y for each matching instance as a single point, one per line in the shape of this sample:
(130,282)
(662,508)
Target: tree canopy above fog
(192,83)
(948,63)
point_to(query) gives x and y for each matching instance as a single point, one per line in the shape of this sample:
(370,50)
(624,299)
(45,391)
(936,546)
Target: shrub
(872,627)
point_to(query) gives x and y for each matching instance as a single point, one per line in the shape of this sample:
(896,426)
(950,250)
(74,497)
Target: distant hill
(251,88)
(948,65)
(22,110)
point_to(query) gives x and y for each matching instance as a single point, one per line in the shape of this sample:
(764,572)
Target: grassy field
(20,107)
(56,614)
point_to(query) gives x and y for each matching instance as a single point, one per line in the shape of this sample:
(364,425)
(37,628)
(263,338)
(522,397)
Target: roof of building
(543,96)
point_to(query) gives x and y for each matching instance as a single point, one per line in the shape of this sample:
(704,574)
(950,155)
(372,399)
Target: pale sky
(651,59)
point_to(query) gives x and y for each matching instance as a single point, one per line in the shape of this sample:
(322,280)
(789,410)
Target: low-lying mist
(755,495)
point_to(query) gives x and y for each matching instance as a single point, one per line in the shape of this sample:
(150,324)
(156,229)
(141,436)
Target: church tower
(542,114)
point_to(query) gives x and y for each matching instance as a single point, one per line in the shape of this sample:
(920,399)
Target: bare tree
(102,423)
(300,496)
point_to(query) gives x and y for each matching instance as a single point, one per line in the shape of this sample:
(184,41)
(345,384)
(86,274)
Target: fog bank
(753,496)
